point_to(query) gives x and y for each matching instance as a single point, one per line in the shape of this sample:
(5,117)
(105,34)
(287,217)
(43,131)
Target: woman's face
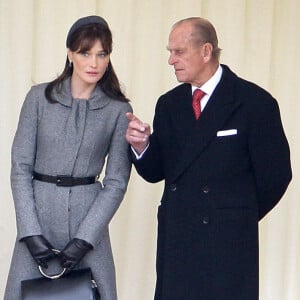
(89,66)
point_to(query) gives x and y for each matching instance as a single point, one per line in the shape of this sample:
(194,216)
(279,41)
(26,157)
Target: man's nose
(171,59)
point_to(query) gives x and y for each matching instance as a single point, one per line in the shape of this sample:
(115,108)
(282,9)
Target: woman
(67,130)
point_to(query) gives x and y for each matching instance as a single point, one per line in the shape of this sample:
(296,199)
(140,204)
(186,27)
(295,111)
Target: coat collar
(220,107)
(98,99)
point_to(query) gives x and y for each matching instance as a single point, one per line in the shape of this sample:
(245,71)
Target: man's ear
(207,51)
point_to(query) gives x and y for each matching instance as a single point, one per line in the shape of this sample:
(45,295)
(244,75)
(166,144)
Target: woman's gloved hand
(40,249)
(74,251)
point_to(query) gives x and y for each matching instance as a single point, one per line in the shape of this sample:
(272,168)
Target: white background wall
(260,42)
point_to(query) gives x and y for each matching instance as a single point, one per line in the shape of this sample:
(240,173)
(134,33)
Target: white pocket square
(227,132)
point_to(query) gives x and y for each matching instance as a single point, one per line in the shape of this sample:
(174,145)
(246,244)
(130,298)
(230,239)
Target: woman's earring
(70,64)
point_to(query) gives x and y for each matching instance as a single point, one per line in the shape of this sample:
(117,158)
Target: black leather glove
(75,250)
(40,249)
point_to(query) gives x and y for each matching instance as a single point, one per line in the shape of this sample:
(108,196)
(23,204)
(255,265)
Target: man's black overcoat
(222,174)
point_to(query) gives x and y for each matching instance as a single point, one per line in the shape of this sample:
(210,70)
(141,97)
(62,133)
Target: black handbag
(75,285)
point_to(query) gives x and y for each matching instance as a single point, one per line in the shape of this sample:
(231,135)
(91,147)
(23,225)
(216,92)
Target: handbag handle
(54,276)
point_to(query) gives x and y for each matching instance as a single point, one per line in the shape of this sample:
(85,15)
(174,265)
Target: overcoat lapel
(218,110)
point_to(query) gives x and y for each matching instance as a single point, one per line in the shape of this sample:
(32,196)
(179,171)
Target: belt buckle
(64,180)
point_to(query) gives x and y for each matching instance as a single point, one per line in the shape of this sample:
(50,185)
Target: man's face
(186,58)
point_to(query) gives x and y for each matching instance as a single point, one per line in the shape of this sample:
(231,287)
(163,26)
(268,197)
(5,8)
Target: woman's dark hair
(82,40)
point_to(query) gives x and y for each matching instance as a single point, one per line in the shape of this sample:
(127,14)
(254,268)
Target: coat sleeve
(270,154)
(22,164)
(150,166)
(117,172)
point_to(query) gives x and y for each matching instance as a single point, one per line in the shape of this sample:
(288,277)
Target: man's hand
(138,133)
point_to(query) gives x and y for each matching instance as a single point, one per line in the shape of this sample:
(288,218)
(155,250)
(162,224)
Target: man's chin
(180,78)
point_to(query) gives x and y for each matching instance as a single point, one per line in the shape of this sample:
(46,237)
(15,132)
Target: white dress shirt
(209,86)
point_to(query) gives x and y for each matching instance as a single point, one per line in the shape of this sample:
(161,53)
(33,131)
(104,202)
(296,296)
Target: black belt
(64,180)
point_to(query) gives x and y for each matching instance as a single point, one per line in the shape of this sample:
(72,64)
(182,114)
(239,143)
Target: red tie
(197,96)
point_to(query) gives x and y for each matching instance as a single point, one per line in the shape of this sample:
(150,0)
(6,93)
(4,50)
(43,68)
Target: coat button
(205,220)
(173,187)
(206,189)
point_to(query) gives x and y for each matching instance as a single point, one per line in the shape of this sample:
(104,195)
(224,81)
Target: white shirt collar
(209,86)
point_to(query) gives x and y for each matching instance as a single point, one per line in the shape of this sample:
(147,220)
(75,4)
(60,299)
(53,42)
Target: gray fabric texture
(73,137)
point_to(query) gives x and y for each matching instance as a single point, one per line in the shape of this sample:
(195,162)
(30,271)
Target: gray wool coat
(71,137)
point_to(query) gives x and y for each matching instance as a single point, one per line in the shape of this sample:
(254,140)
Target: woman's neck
(80,90)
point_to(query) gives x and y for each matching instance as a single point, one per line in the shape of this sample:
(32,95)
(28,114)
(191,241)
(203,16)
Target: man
(223,170)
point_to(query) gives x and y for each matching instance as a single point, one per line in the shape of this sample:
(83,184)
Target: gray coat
(71,137)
